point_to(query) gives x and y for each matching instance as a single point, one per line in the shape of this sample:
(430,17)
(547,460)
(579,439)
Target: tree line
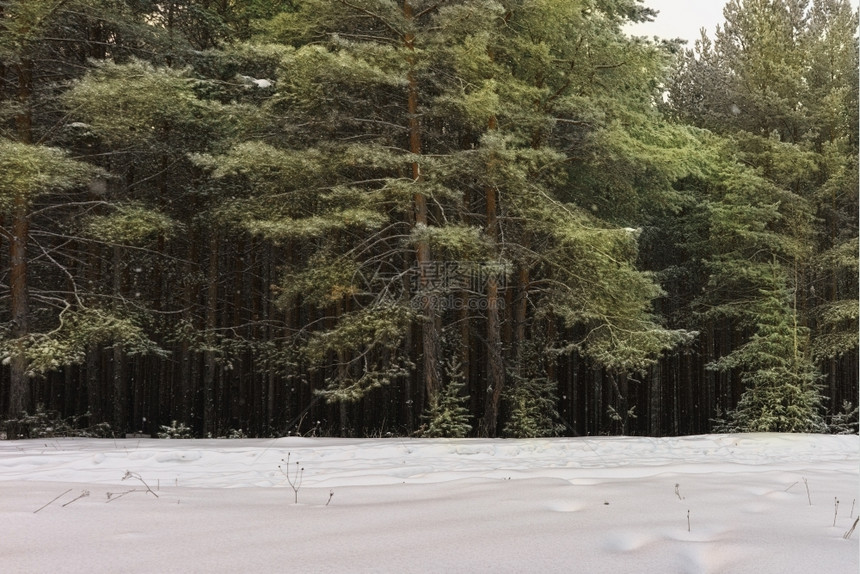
(460,218)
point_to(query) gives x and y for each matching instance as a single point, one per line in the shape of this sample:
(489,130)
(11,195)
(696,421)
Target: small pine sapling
(844,421)
(531,397)
(783,391)
(447,416)
(175,430)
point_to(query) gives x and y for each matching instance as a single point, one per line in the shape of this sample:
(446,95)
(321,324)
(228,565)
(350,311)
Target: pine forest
(439,218)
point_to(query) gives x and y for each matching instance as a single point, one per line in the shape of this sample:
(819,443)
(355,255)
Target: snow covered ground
(722,504)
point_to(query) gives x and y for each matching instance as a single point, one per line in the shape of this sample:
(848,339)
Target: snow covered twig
(53,501)
(848,534)
(295,481)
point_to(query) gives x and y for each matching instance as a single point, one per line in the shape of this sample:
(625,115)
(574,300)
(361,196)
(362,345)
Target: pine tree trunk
(19,297)
(655,396)
(268,331)
(342,375)
(120,388)
(408,391)
(495,365)
(93,385)
(187,376)
(19,384)
(520,312)
(92,372)
(209,398)
(495,361)
(430,324)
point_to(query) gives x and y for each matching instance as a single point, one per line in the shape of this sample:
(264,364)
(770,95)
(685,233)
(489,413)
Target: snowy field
(720,504)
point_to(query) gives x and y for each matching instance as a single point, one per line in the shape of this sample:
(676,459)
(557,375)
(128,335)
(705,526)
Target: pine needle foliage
(845,421)
(532,410)
(448,416)
(531,398)
(29,171)
(782,384)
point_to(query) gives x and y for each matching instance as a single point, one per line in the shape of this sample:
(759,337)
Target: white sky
(681,19)
(684,19)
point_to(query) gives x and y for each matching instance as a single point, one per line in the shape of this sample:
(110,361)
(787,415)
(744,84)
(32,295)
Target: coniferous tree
(782,382)
(286,202)
(489,98)
(532,398)
(53,316)
(448,417)
(777,82)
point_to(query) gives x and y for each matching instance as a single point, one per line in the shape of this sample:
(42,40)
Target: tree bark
(520,312)
(430,322)
(19,303)
(656,402)
(495,361)
(19,384)
(120,386)
(342,372)
(209,395)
